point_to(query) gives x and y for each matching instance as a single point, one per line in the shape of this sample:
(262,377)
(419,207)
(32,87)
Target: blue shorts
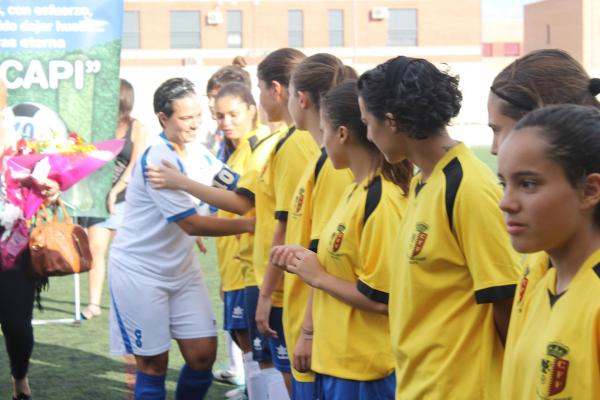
(260,348)
(234,315)
(303,390)
(277,345)
(331,388)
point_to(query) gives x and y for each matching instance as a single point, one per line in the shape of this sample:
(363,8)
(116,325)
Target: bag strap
(66,217)
(42,215)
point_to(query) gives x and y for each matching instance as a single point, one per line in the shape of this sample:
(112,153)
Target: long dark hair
(278,66)
(126,101)
(317,74)
(340,107)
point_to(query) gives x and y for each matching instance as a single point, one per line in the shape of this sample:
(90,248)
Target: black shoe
(22,396)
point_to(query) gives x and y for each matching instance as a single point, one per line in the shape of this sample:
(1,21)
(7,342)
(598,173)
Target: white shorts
(146,314)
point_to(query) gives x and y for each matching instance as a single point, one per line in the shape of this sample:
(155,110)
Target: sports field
(72,362)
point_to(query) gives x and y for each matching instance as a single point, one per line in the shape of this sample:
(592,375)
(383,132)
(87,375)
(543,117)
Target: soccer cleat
(226,376)
(236,394)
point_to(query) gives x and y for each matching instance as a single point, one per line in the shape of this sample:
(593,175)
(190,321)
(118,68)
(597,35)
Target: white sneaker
(226,376)
(236,394)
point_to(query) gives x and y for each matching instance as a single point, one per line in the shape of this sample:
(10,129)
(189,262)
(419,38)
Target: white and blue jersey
(156,283)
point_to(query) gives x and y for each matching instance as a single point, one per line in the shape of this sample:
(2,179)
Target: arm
(272,279)
(307,266)
(196,225)
(303,349)
(502,310)
(169,177)
(138,137)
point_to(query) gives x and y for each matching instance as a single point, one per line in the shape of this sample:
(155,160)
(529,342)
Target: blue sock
(149,387)
(192,384)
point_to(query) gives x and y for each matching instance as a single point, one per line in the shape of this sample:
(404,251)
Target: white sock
(236,362)
(275,384)
(255,380)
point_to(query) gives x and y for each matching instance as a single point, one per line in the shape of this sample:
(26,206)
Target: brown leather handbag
(58,247)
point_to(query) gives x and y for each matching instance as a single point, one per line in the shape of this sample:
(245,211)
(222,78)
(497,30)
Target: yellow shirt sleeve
(481,233)
(376,246)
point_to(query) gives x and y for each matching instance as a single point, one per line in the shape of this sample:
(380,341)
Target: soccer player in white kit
(157,289)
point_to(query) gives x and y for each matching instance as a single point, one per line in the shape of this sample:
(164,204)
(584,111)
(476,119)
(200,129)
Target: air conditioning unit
(214,17)
(379,13)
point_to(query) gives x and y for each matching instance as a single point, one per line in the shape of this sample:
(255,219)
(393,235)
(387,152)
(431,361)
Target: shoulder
(383,197)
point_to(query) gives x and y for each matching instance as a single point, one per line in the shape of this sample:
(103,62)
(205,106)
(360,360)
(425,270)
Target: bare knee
(153,365)
(199,354)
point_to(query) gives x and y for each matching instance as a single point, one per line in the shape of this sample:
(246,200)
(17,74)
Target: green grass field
(73,362)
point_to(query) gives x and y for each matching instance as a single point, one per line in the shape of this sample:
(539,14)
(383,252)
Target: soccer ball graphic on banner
(33,121)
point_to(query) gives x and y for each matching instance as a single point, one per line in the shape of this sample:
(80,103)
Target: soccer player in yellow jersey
(261,189)
(550,171)
(236,115)
(455,272)
(351,272)
(539,78)
(314,199)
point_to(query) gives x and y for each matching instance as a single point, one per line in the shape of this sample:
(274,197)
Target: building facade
(572,25)
(213,32)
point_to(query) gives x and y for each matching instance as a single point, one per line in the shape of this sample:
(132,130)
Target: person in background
(100,234)
(18,290)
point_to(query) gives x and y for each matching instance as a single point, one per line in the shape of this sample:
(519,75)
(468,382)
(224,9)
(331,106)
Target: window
(402,27)
(131,30)
(512,49)
(234,29)
(185,29)
(295,28)
(487,49)
(336,28)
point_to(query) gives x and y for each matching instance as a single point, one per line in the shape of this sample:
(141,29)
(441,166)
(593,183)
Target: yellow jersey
(261,148)
(228,247)
(533,269)
(453,259)
(285,162)
(315,199)
(557,355)
(355,245)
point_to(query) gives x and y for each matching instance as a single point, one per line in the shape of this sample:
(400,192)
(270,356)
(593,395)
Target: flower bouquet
(63,160)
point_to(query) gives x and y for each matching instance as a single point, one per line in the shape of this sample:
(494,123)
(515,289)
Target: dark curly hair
(421,98)
(340,108)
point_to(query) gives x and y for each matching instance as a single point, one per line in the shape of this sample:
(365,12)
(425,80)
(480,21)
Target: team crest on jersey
(299,200)
(418,240)
(554,370)
(335,242)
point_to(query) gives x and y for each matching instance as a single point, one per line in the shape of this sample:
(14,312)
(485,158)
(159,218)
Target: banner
(59,60)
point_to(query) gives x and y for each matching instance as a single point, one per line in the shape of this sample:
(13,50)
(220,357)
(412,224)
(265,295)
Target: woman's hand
(263,312)
(303,352)
(306,265)
(281,256)
(48,188)
(166,177)
(111,201)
